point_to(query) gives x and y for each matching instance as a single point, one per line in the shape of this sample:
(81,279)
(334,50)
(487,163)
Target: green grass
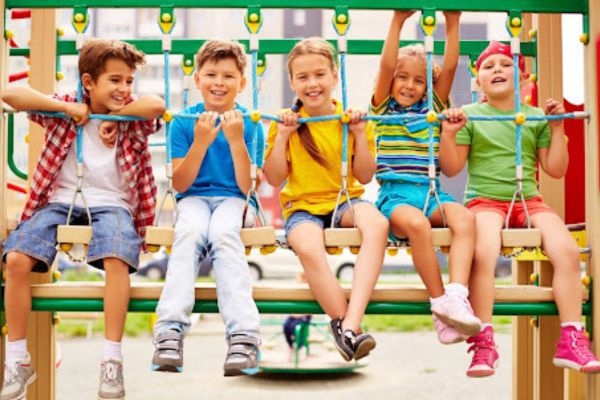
(136,324)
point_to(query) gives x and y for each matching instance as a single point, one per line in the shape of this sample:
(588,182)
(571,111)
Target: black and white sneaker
(343,339)
(363,344)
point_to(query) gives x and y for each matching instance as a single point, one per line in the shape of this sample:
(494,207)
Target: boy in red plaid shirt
(117,184)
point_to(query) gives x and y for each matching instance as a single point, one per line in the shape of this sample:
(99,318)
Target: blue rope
(517,106)
(185,97)
(168,105)
(344,104)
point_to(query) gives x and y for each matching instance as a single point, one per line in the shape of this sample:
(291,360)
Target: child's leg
(17,294)
(116,298)
(462,224)
(307,240)
(374,230)
(563,252)
(408,221)
(487,249)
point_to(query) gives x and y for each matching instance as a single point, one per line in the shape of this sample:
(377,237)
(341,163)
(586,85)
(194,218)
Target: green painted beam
(546,6)
(280,46)
(296,307)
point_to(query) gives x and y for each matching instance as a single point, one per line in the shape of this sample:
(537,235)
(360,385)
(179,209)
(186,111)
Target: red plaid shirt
(133,159)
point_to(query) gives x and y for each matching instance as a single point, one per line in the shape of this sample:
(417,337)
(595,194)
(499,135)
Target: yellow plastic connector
(66,246)
(60,76)
(516,22)
(533,278)
(533,322)
(56,275)
(253,17)
(27,138)
(586,280)
(167,116)
(445,249)
(4,330)
(341,19)
(56,319)
(520,118)
(429,20)
(334,250)
(345,118)
(528,99)
(392,251)
(4,276)
(354,250)
(431,117)
(255,116)
(584,38)
(168,249)
(507,251)
(152,248)
(8,34)
(533,78)
(165,17)
(532,34)
(79,17)
(248,250)
(268,249)
(587,334)
(60,32)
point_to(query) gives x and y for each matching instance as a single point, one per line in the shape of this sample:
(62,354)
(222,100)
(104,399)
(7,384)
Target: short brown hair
(219,49)
(95,53)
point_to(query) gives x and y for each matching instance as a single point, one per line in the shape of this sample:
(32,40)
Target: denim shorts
(394,194)
(113,235)
(324,221)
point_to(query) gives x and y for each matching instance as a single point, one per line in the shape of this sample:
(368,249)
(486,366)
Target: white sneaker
(456,311)
(16,379)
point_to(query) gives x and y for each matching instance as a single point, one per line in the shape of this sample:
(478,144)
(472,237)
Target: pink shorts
(517,217)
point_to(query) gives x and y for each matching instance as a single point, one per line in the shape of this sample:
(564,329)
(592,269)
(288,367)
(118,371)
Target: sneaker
(243,356)
(343,342)
(362,344)
(456,311)
(573,351)
(447,334)
(16,379)
(112,386)
(485,356)
(168,355)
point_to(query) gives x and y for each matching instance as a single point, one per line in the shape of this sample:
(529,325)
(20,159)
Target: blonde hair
(417,51)
(319,47)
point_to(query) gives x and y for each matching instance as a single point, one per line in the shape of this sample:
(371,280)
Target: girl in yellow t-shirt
(309,157)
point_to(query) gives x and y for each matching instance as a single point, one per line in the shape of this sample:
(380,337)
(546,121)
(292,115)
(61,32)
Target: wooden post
(549,382)
(522,371)
(3,81)
(592,177)
(40,337)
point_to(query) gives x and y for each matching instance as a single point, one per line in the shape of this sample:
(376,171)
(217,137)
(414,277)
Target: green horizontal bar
(281,46)
(545,6)
(297,307)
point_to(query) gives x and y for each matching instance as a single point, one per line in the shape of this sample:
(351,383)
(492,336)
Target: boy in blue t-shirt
(211,172)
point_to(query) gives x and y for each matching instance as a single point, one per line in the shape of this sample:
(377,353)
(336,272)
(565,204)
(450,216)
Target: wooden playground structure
(529,299)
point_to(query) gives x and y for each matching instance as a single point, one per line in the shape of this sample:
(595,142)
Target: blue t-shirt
(217,175)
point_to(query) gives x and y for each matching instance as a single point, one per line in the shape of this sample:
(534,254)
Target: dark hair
(96,52)
(220,49)
(308,142)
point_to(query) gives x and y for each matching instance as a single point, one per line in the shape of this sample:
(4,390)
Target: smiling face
(313,79)
(112,89)
(496,77)
(410,81)
(219,83)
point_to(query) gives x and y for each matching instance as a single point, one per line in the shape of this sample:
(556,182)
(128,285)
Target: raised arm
(363,163)
(276,166)
(22,98)
(444,81)
(149,107)
(232,123)
(452,156)
(389,57)
(555,159)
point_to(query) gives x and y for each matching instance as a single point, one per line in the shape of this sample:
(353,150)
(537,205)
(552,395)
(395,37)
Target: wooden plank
(521,237)
(160,236)
(342,237)
(260,236)
(441,237)
(522,361)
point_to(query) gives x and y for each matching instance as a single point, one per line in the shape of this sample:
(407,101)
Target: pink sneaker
(447,334)
(456,312)
(573,351)
(485,356)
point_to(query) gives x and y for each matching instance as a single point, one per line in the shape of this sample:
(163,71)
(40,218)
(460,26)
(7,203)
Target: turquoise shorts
(393,194)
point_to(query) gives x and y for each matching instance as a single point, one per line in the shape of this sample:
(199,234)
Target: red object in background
(20,14)
(575,177)
(16,188)
(18,76)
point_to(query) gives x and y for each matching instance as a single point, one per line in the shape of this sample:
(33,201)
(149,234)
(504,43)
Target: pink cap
(498,48)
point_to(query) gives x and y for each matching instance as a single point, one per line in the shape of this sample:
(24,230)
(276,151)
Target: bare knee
(18,266)
(376,230)
(464,225)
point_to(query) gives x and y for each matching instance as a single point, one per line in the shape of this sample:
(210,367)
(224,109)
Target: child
(212,175)
(309,157)
(489,148)
(402,171)
(119,189)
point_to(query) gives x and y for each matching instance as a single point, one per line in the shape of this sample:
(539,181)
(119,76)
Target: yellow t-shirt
(310,186)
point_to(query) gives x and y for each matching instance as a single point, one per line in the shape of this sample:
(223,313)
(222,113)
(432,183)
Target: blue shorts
(113,235)
(324,221)
(394,194)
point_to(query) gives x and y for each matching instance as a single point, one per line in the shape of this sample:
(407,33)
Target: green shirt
(492,156)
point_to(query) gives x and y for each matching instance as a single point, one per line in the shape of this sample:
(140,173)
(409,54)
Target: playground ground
(403,366)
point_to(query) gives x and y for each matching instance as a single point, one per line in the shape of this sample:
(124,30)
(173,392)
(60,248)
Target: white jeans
(209,226)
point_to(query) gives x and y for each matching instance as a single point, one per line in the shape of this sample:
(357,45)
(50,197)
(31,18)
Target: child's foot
(573,351)
(362,344)
(485,356)
(16,379)
(243,356)
(112,386)
(168,355)
(447,334)
(343,342)
(456,311)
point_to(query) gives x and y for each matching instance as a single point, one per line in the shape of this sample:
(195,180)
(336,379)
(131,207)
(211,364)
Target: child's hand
(232,123)
(205,130)
(108,133)
(80,112)
(554,107)
(288,125)
(404,14)
(452,16)
(357,124)
(454,121)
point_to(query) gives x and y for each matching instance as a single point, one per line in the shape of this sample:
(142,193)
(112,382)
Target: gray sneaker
(16,379)
(112,386)
(243,356)
(168,355)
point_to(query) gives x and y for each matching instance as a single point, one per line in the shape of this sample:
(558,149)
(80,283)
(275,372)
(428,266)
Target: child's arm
(452,156)
(149,107)
(232,123)
(363,163)
(389,57)
(26,99)
(443,84)
(276,166)
(185,170)
(555,159)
